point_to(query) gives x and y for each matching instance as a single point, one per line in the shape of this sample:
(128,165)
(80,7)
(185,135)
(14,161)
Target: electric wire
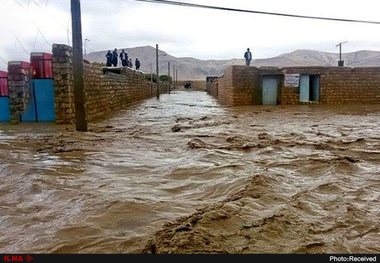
(184,4)
(3,61)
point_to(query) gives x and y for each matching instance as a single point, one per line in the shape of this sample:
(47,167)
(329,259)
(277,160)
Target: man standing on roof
(248,57)
(137,64)
(124,58)
(114,58)
(109,58)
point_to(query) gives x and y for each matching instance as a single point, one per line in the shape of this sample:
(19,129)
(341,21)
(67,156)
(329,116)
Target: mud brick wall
(239,85)
(19,86)
(195,84)
(350,86)
(289,95)
(104,92)
(212,87)
(338,85)
(225,87)
(110,92)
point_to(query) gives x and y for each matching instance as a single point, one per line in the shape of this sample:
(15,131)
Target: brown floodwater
(184,174)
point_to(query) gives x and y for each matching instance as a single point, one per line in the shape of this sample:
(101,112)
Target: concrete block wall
(104,92)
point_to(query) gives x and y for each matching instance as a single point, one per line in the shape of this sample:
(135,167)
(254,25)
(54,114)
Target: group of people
(113,59)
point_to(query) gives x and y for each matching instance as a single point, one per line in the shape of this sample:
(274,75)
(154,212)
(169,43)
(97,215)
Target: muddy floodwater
(184,174)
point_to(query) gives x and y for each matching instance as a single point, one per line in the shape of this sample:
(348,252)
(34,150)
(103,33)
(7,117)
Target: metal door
(304,88)
(44,91)
(41,104)
(270,86)
(4,109)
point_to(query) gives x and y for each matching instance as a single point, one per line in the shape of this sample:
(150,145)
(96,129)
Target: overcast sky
(34,25)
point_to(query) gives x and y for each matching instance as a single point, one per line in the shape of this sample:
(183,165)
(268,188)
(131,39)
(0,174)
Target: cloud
(185,31)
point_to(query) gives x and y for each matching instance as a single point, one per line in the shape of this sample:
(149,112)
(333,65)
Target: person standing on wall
(248,57)
(109,58)
(114,58)
(137,64)
(124,58)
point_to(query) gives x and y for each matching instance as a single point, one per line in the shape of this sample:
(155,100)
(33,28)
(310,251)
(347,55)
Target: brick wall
(212,86)
(238,86)
(105,92)
(195,84)
(339,85)
(245,82)
(241,85)
(225,87)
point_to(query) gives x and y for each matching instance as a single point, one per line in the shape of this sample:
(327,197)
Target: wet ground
(184,174)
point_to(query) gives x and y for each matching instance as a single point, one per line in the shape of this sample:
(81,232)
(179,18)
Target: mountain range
(188,68)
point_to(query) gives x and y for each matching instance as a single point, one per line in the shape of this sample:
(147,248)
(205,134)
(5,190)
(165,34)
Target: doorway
(270,90)
(309,88)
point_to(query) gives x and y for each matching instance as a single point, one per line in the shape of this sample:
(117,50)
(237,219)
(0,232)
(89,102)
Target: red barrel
(3,83)
(42,64)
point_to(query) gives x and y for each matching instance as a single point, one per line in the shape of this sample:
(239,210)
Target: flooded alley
(184,174)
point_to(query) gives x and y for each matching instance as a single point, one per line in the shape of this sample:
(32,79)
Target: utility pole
(340,62)
(158,76)
(85,48)
(79,97)
(151,74)
(169,80)
(174,76)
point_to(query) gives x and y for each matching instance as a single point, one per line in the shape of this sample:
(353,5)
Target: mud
(184,174)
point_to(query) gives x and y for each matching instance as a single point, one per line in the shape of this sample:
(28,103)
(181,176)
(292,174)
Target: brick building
(242,85)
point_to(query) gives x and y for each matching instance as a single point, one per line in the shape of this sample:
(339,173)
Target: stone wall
(241,85)
(106,91)
(19,87)
(63,84)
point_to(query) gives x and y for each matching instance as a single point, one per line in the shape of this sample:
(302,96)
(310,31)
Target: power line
(18,41)
(3,61)
(183,4)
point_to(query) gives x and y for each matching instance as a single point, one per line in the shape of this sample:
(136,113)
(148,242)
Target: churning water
(183,174)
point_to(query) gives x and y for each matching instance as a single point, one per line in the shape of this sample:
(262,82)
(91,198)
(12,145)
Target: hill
(195,69)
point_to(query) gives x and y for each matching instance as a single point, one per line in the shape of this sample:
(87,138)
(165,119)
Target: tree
(149,77)
(165,78)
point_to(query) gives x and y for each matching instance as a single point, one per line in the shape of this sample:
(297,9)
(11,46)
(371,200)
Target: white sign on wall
(292,80)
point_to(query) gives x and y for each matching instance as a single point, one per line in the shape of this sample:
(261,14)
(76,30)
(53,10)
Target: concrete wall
(105,92)
(241,85)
